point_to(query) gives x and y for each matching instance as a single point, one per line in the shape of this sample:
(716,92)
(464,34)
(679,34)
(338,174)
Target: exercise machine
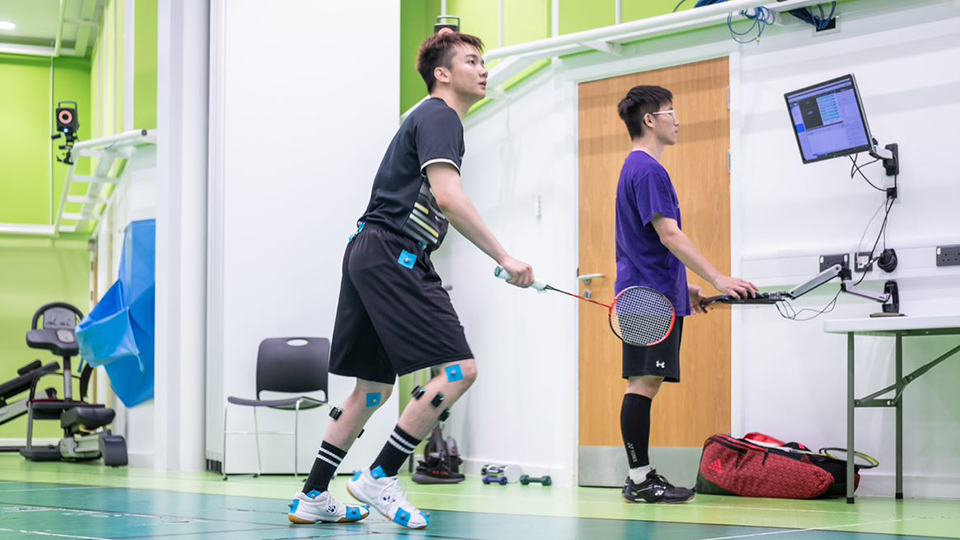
(84,435)
(11,409)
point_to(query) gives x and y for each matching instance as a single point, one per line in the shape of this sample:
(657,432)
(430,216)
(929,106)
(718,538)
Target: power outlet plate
(861,260)
(826,261)
(948,255)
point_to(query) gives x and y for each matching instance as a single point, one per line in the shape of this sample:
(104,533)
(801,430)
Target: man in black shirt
(393,316)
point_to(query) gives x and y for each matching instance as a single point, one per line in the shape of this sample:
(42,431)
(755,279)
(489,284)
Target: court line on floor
(2,491)
(88,511)
(812,529)
(618,501)
(341,534)
(56,535)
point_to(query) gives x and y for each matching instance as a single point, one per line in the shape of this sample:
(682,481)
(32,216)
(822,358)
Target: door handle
(587,278)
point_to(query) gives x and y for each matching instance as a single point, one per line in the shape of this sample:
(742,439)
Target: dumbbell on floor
(545,480)
(502,480)
(511,472)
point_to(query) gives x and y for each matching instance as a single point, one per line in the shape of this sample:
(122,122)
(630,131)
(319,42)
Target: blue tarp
(119,332)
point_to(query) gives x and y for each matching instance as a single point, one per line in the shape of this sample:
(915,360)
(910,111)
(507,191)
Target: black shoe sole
(427,479)
(661,501)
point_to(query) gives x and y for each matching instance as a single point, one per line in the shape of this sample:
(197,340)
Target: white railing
(110,150)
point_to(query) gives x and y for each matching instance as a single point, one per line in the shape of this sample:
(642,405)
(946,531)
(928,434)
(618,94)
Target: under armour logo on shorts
(661,365)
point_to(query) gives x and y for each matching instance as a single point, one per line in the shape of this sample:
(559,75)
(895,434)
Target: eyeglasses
(671,112)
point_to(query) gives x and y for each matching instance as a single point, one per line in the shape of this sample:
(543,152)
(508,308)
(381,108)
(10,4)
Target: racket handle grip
(504,275)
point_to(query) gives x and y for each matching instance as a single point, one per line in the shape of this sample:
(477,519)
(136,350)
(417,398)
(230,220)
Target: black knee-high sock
(635,428)
(328,459)
(399,446)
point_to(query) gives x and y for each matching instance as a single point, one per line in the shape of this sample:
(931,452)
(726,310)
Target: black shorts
(393,316)
(660,360)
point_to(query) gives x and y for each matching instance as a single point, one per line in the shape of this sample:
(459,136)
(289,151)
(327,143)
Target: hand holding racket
(639,316)
(521,272)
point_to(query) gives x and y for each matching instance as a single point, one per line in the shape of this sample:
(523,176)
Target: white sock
(639,474)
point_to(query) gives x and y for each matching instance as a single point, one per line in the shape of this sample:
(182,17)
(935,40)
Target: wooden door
(685,414)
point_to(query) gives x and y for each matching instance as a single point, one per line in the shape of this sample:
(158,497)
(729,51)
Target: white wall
(183,44)
(905,64)
(523,406)
(300,121)
(784,214)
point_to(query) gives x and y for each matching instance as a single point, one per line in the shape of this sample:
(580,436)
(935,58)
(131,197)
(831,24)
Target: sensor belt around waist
(426,223)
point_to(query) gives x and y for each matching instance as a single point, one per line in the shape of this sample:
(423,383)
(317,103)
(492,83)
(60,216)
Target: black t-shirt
(401,199)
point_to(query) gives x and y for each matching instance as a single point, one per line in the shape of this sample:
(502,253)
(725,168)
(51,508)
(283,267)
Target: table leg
(850,410)
(899,492)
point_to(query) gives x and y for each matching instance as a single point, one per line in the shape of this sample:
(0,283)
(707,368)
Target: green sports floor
(89,501)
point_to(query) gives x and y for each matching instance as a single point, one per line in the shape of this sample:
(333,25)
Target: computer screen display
(828,119)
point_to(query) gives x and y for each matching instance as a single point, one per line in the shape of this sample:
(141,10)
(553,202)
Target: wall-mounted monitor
(828,120)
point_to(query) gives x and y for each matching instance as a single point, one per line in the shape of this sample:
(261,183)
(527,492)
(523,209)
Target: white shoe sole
(371,505)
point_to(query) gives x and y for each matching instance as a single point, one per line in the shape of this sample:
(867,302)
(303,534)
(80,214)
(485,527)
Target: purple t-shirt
(643,192)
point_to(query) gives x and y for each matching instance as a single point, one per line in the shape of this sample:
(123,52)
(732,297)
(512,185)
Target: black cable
(883,228)
(886,207)
(788,311)
(891,206)
(854,168)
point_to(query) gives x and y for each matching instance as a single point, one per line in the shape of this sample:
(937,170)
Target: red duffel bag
(761,466)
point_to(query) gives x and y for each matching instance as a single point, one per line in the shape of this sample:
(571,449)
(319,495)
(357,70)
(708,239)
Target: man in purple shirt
(653,251)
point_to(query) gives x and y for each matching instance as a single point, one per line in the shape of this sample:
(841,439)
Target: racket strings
(641,316)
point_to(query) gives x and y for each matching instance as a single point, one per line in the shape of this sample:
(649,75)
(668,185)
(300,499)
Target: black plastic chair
(288,365)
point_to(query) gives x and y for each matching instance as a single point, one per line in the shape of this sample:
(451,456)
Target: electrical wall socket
(860,262)
(826,261)
(948,255)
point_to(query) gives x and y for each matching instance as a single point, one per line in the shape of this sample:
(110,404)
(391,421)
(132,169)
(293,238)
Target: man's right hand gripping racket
(640,316)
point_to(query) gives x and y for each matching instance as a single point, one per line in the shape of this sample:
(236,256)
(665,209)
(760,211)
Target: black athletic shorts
(660,360)
(393,317)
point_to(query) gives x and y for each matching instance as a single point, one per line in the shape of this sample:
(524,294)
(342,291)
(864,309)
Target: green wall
(416,23)
(27,117)
(524,21)
(107,82)
(25,140)
(145,65)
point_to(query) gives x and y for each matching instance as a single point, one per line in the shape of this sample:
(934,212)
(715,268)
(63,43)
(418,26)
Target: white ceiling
(38,22)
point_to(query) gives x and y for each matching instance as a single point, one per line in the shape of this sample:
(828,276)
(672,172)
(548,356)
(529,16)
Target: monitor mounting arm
(847,286)
(889,155)
(890,298)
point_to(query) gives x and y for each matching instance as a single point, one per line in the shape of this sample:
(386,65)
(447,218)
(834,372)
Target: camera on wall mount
(67,126)
(447,21)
